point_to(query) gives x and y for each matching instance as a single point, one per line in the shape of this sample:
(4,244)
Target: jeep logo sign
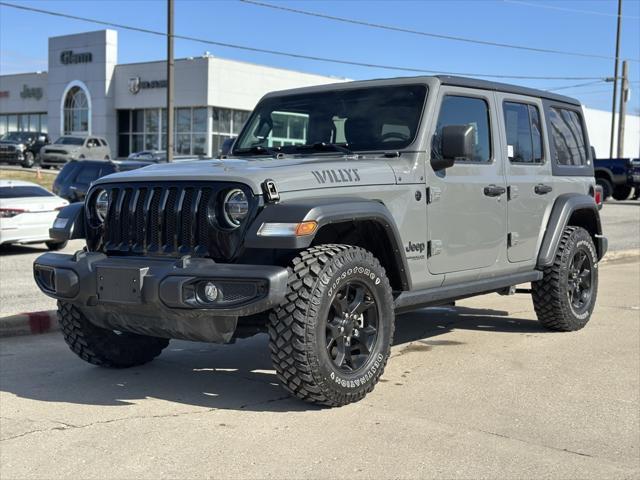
(69,58)
(135,84)
(35,92)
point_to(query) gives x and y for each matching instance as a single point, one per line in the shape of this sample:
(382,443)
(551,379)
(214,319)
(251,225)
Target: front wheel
(331,337)
(29,159)
(565,297)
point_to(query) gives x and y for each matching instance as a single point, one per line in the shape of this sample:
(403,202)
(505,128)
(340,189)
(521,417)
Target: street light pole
(615,80)
(170,80)
(624,98)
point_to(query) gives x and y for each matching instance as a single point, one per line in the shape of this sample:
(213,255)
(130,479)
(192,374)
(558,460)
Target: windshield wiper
(259,150)
(322,146)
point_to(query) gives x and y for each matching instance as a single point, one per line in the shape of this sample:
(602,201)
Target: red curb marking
(39,322)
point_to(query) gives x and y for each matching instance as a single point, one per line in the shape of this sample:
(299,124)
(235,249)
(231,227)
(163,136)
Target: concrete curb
(31,323)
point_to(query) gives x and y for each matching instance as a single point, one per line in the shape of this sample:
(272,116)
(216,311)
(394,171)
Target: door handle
(541,189)
(494,190)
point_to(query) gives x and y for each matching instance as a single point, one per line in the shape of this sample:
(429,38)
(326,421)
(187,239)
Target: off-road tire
(29,159)
(103,347)
(551,294)
(55,246)
(607,187)
(297,326)
(622,192)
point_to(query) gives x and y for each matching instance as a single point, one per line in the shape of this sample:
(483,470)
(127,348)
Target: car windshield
(16,137)
(20,191)
(360,119)
(70,141)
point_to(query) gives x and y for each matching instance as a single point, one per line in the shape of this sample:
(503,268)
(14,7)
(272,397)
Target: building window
(226,124)
(25,122)
(76,112)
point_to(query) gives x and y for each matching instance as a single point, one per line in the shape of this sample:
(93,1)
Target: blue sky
(23,36)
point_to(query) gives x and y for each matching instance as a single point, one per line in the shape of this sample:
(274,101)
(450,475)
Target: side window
(522,125)
(568,137)
(458,110)
(88,174)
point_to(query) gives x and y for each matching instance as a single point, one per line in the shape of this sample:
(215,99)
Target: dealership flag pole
(169,80)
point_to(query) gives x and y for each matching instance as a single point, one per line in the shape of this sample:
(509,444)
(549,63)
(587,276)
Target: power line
(424,33)
(565,9)
(290,54)
(566,87)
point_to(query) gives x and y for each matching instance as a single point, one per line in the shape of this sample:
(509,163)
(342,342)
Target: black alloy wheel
(580,279)
(352,327)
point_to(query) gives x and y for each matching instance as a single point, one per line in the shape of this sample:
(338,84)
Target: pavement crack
(574,452)
(264,402)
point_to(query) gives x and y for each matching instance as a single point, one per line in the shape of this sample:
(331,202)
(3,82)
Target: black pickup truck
(618,177)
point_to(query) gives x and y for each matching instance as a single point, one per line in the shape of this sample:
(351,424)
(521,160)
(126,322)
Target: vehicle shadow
(11,249)
(237,376)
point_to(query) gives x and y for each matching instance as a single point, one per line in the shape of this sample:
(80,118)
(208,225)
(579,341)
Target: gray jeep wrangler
(337,208)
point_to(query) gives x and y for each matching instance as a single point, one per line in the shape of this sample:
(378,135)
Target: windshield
(16,137)
(70,141)
(363,119)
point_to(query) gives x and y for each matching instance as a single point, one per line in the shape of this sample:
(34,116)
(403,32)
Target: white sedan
(27,212)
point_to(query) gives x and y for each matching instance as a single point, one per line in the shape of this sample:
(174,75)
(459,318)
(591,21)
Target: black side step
(408,301)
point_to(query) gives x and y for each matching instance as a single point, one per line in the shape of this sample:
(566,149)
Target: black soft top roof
(503,87)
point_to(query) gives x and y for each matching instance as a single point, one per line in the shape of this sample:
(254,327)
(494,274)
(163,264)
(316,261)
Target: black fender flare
(326,211)
(69,224)
(564,207)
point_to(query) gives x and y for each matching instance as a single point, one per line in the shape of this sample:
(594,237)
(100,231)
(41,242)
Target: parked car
(22,148)
(27,212)
(71,147)
(396,194)
(618,177)
(160,156)
(76,177)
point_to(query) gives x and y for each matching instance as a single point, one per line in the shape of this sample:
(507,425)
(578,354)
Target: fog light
(210,292)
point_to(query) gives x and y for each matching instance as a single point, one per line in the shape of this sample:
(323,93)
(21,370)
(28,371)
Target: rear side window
(88,174)
(24,191)
(458,110)
(568,137)
(522,124)
(67,172)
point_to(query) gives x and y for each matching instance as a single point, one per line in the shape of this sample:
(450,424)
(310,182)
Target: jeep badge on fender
(314,233)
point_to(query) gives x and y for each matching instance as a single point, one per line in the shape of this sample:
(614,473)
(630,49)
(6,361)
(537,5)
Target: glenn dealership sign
(69,58)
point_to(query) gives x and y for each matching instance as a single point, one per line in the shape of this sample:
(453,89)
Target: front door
(467,202)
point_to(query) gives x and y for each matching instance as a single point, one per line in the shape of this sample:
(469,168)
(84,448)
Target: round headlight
(102,205)
(235,207)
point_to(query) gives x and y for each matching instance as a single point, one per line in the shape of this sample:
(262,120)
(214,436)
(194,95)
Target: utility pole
(615,80)
(170,80)
(624,98)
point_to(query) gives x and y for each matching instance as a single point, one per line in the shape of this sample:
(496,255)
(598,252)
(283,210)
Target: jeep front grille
(166,219)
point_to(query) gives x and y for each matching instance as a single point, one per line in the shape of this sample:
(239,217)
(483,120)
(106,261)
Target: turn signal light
(306,228)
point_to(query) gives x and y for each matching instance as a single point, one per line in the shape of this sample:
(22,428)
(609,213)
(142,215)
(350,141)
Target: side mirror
(226,147)
(458,142)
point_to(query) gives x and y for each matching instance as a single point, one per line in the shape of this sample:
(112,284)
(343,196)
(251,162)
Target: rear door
(531,188)
(467,202)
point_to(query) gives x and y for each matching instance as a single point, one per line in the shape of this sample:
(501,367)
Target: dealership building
(86,91)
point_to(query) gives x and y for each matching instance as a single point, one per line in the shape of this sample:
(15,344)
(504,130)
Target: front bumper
(161,298)
(52,159)
(15,156)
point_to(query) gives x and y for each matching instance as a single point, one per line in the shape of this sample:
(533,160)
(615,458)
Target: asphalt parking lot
(477,391)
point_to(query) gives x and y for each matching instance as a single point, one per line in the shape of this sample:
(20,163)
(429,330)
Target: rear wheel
(622,192)
(102,347)
(607,187)
(331,337)
(565,297)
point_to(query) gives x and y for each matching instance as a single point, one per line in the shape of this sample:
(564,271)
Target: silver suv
(71,147)
(337,208)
